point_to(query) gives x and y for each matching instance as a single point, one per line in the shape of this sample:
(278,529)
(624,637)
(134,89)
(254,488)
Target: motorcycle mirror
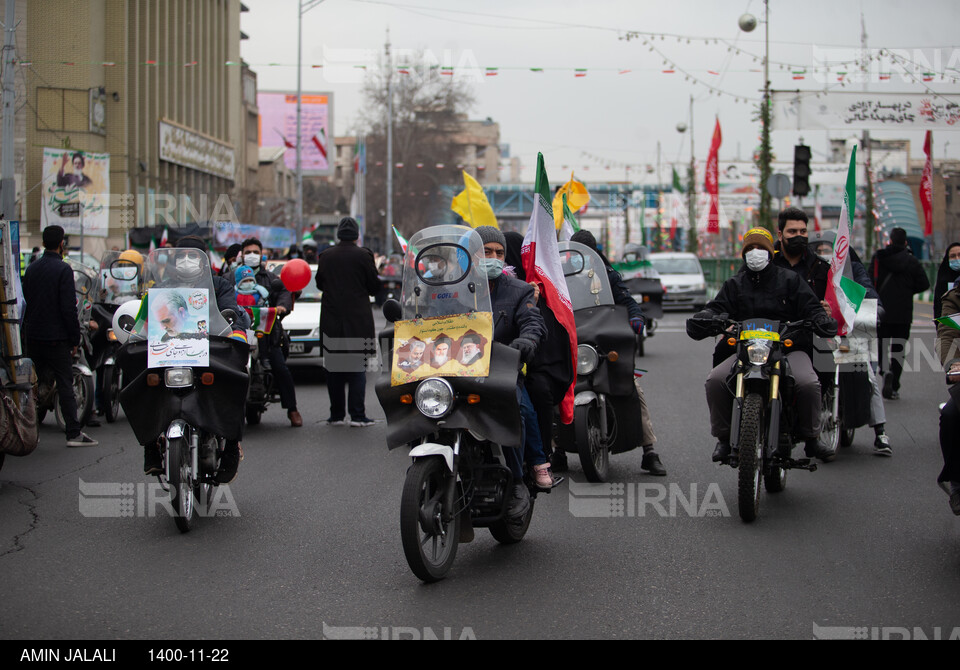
(124,270)
(229,315)
(392,311)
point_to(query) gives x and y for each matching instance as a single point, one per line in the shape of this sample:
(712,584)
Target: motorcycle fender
(84,370)
(177,429)
(584,398)
(755,372)
(431,449)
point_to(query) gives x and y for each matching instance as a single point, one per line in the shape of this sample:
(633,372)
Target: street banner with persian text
(858,110)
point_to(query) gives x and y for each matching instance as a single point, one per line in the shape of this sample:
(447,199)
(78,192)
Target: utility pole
(868,219)
(388,233)
(303,6)
(8,194)
(692,242)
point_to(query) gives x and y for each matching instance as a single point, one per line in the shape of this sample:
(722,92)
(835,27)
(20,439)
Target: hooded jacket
(812,269)
(898,276)
(948,339)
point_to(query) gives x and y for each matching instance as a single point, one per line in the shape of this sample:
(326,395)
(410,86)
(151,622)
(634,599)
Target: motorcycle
(844,368)
(110,293)
(186,376)
(262,390)
(391,276)
(456,425)
(47,398)
(643,282)
(764,412)
(606,416)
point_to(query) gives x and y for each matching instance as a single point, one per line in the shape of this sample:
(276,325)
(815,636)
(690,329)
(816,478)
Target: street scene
(380,320)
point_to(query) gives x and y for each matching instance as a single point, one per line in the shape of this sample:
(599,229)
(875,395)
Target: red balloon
(295,274)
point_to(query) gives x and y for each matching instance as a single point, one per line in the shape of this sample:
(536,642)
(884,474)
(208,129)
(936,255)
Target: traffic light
(801,170)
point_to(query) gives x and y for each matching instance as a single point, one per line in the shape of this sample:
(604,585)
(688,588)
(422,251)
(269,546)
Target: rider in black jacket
(765,291)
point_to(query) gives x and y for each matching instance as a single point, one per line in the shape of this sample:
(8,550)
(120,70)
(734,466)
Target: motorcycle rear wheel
(178,451)
(505,532)
(83,390)
(751,457)
(110,394)
(592,447)
(429,554)
(830,423)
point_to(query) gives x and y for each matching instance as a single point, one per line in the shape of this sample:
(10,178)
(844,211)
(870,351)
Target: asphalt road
(314,548)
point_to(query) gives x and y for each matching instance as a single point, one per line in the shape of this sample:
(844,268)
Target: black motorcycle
(606,417)
(643,282)
(764,412)
(188,409)
(456,426)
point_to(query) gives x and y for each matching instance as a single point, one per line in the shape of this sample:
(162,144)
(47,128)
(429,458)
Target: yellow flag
(472,205)
(577,197)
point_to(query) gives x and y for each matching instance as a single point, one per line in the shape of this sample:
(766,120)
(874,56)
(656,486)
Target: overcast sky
(612,117)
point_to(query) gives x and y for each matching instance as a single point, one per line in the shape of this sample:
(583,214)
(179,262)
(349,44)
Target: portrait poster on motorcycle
(177,327)
(445,346)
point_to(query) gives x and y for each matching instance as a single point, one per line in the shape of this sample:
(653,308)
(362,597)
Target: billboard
(278,128)
(872,111)
(76,189)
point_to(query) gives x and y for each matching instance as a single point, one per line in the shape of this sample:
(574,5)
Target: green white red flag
(844,294)
(541,263)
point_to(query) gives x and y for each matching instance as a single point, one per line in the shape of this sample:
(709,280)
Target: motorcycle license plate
(296,347)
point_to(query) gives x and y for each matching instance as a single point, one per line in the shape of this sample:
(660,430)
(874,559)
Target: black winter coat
(813,270)
(347,276)
(898,276)
(51,312)
(279,296)
(515,314)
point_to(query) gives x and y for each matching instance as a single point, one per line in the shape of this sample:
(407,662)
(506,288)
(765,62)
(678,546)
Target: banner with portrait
(76,191)
(445,346)
(178,327)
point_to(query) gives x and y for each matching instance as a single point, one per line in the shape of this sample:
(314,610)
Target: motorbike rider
(765,290)
(795,254)
(822,245)
(949,346)
(186,271)
(281,298)
(517,323)
(230,261)
(621,296)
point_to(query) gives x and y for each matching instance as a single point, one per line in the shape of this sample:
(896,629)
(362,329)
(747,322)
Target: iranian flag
(541,262)
(570,223)
(843,293)
(926,187)
(401,239)
(262,318)
(952,321)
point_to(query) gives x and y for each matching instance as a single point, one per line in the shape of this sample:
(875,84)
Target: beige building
(157,85)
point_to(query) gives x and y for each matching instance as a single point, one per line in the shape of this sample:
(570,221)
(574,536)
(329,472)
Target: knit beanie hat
(490,234)
(348,229)
(759,236)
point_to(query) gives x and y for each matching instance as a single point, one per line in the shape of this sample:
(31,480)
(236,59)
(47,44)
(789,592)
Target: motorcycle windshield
(188,271)
(586,276)
(118,281)
(84,282)
(441,274)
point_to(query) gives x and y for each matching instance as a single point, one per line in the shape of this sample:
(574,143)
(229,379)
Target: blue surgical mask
(493,267)
(955,264)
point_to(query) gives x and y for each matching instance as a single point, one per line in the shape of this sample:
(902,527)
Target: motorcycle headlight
(587,359)
(759,351)
(434,397)
(178,377)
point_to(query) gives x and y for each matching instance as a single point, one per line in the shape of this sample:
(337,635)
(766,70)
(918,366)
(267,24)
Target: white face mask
(757,259)
(251,260)
(188,266)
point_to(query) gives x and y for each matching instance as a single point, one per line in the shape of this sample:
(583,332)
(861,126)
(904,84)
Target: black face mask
(796,245)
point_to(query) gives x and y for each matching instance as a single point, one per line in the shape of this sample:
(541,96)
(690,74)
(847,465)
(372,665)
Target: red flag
(713,181)
(817,210)
(320,147)
(926,187)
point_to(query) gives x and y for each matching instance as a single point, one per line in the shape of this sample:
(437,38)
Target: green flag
(676,182)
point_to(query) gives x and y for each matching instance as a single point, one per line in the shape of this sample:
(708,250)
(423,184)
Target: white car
(682,278)
(303,323)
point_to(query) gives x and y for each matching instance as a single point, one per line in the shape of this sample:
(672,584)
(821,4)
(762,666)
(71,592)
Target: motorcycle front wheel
(110,394)
(592,444)
(429,544)
(751,457)
(178,451)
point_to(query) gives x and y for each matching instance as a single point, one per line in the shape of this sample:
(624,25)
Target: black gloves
(825,327)
(526,348)
(701,325)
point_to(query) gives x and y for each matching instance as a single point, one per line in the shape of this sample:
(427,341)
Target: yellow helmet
(132,256)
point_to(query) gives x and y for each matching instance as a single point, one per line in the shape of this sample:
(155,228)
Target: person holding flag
(948,341)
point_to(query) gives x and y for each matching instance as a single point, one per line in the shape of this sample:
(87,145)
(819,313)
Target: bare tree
(428,108)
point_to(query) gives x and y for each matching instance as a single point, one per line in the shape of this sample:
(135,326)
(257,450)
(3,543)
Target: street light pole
(304,6)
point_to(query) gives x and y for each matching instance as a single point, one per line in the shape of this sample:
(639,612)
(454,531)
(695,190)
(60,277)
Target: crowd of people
(783,278)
